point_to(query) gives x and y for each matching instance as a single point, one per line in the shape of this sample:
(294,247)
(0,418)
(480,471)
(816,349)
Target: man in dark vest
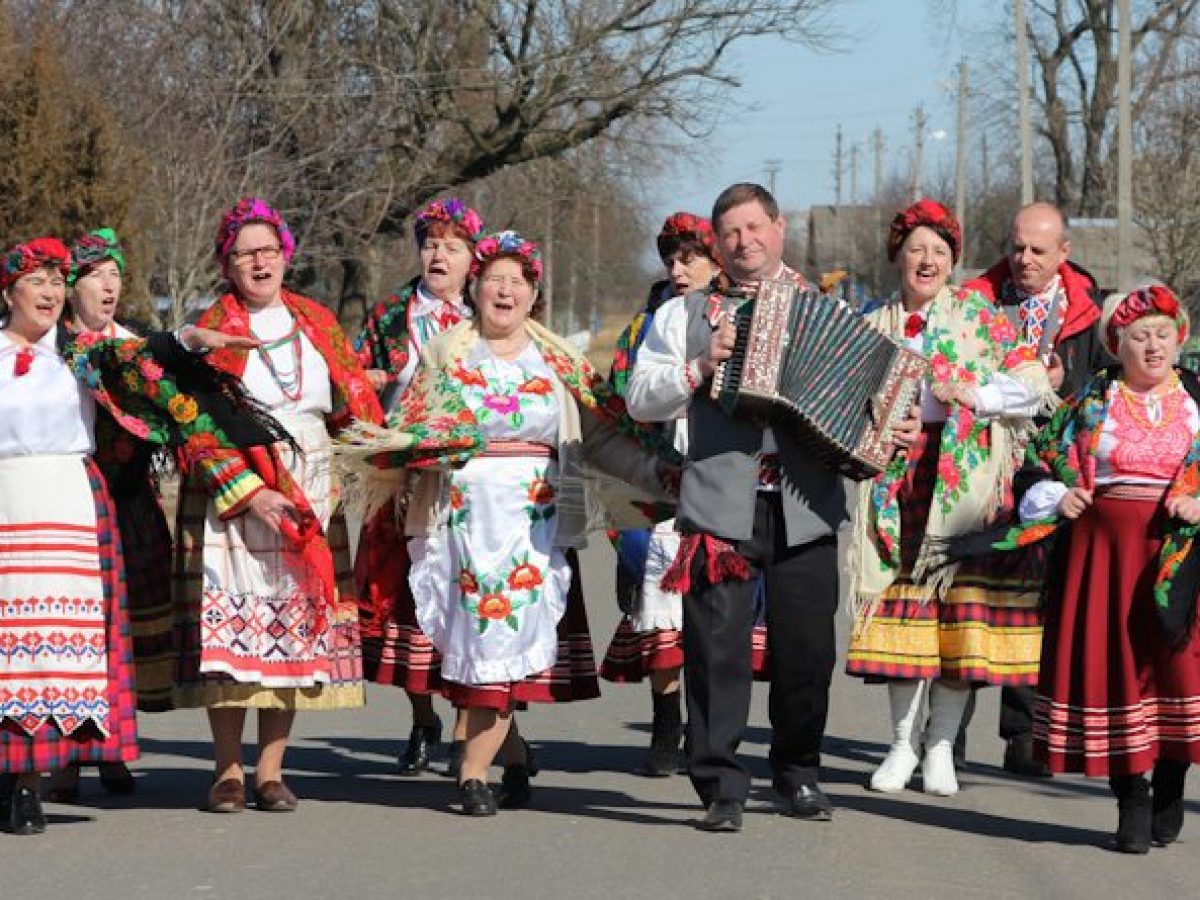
(751,501)
(1054,305)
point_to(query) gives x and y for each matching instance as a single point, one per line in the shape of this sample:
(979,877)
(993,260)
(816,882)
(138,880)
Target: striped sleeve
(230,481)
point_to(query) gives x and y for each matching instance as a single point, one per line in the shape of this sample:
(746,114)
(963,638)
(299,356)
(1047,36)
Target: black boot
(25,815)
(454,759)
(1133,811)
(1167,801)
(663,758)
(423,742)
(515,791)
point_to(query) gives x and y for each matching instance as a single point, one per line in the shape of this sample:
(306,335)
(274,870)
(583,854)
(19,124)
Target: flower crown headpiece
(40,253)
(931,214)
(682,226)
(450,210)
(92,249)
(506,243)
(245,212)
(1149,300)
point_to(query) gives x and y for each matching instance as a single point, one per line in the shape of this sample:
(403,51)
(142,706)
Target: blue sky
(897,55)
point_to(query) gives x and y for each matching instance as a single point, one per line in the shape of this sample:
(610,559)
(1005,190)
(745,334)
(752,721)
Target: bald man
(1054,305)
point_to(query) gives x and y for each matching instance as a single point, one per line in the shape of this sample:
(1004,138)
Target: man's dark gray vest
(720,478)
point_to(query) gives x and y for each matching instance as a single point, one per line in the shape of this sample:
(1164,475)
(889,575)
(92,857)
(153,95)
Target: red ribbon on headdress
(931,214)
(1152,300)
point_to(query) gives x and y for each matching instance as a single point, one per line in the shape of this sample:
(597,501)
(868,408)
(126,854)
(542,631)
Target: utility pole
(548,267)
(876,273)
(854,174)
(1023,104)
(837,169)
(1124,152)
(960,160)
(773,167)
(919,124)
(985,166)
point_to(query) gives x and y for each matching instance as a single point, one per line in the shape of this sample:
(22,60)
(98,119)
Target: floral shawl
(1065,451)
(383,341)
(966,340)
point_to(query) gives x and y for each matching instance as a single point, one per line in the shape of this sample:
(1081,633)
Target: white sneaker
(937,770)
(897,768)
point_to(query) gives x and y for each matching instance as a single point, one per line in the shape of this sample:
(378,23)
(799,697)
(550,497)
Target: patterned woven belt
(518,448)
(1127,491)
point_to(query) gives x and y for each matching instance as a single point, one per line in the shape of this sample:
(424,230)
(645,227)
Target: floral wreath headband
(93,248)
(451,210)
(248,211)
(40,253)
(931,214)
(507,243)
(685,226)
(1121,311)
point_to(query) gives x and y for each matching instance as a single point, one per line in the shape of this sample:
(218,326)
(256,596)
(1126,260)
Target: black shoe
(26,816)
(807,802)
(477,799)
(1019,761)
(514,790)
(423,741)
(1134,814)
(1167,801)
(454,759)
(116,778)
(8,784)
(722,815)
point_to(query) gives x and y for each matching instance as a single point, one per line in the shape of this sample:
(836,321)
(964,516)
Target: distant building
(1094,246)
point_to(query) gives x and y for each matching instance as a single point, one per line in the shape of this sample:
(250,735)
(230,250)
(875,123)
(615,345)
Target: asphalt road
(595,830)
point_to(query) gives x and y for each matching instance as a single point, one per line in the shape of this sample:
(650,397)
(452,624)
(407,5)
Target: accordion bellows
(815,369)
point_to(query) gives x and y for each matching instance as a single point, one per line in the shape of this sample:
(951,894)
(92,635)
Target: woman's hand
(905,434)
(271,507)
(953,392)
(378,379)
(1074,502)
(1186,508)
(202,340)
(669,476)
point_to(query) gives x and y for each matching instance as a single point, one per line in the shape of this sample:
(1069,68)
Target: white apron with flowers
(490,587)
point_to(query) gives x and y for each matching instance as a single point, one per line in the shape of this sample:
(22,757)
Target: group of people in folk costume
(1052,430)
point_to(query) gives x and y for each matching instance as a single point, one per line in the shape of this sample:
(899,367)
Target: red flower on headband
(1152,300)
(40,253)
(684,226)
(931,214)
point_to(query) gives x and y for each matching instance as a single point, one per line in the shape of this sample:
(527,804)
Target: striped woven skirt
(247,636)
(985,630)
(66,666)
(1113,698)
(396,651)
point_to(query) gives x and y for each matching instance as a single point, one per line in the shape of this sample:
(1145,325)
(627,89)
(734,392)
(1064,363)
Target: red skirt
(572,677)
(48,748)
(633,655)
(396,651)
(1113,697)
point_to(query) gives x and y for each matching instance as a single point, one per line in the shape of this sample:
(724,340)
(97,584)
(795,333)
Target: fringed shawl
(1065,450)
(966,340)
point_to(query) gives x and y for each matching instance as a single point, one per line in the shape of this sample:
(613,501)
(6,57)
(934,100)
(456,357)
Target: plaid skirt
(572,677)
(48,747)
(1113,697)
(633,655)
(986,630)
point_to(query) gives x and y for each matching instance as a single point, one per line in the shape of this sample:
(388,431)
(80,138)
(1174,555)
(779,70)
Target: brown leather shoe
(275,796)
(228,796)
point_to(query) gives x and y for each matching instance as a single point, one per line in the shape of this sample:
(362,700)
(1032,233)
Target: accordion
(814,368)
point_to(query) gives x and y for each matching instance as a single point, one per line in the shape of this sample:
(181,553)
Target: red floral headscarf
(685,226)
(245,212)
(452,211)
(931,214)
(1149,300)
(40,253)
